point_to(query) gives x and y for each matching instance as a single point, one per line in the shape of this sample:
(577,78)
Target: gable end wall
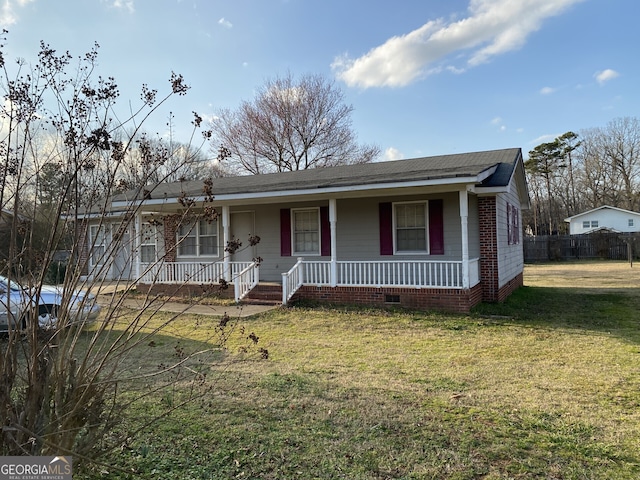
(501,264)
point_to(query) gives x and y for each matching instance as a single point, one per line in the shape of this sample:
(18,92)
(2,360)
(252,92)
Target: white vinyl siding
(510,254)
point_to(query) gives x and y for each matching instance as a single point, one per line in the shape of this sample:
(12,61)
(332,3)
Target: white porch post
(226,237)
(137,241)
(333,220)
(464,224)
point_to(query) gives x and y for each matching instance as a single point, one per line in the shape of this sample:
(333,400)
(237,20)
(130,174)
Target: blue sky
(425,77)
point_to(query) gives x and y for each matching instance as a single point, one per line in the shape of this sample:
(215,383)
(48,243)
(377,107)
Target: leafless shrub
(63,160)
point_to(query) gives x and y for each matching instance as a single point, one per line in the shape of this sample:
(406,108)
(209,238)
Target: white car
(17,303)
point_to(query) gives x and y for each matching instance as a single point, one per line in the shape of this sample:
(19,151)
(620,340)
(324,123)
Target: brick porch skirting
(448,300)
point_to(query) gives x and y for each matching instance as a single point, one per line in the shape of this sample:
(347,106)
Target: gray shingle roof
(417,169)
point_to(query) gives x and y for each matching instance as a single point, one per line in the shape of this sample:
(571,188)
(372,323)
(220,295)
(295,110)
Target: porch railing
(292,281)
(243,275)
(246,281)
(189,272)
(410,274)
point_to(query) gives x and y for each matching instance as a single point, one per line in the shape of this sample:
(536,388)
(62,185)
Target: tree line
(575,173)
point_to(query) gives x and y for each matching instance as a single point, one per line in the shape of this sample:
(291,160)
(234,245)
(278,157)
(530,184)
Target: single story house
(604,218)
(439,232)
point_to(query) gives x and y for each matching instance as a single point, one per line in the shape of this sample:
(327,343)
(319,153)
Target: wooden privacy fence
(605,245)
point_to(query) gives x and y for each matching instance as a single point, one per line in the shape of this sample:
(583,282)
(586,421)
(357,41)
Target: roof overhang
(351,191)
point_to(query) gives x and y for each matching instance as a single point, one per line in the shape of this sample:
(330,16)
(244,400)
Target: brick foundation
(510,287)
(449,300)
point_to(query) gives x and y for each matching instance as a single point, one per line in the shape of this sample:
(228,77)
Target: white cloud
(498,122)
(8,12)
(225,23)
(393,154)
(547,90)
(605,75)
(124,5)
(493,27)
(549,137)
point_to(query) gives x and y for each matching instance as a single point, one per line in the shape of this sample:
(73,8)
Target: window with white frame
(586,224)
(98,241)
(594,223)
(410,221)
(198,239)
(148,243)
(305,227)
(631,222)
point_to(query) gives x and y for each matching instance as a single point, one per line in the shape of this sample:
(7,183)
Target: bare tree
(619,143)
(609,159)
(291,125)
(62,156)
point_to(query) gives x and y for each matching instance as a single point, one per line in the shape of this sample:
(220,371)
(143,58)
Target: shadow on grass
(613,312)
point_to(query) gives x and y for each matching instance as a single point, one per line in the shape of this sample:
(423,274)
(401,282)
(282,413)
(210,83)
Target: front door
(243,226)
(123,258)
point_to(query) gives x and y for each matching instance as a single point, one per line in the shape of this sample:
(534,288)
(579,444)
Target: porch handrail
(292,281)
(390,273)
(246,280)
(189,272)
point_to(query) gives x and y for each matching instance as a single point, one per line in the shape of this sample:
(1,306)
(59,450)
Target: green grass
(546,385)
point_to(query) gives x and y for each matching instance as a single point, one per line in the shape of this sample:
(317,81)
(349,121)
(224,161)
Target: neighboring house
(434,233)
(604,218)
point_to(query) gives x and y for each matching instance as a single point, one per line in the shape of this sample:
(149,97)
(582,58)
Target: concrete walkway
(106,292)
(234,311)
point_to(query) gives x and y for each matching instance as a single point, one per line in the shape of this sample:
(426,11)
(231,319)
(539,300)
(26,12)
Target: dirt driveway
(588,275)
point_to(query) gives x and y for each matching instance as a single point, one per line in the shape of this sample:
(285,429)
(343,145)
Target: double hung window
(411,227)
(513,224)
(148,243)
(306,231)
(198,239)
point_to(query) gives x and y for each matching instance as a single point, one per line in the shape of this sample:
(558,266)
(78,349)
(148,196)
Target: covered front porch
(244,276)
(338,266)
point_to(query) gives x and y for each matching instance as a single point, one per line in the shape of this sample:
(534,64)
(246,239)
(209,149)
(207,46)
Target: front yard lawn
(545,386)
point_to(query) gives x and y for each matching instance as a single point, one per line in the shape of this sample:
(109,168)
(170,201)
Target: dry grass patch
(594,275)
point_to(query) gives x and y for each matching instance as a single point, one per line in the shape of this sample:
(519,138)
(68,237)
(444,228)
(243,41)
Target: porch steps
(265,294)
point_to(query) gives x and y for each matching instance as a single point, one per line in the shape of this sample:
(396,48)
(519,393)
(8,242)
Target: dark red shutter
(325,232)
(386,228)
(285,232)
(509,225)
(436,227)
